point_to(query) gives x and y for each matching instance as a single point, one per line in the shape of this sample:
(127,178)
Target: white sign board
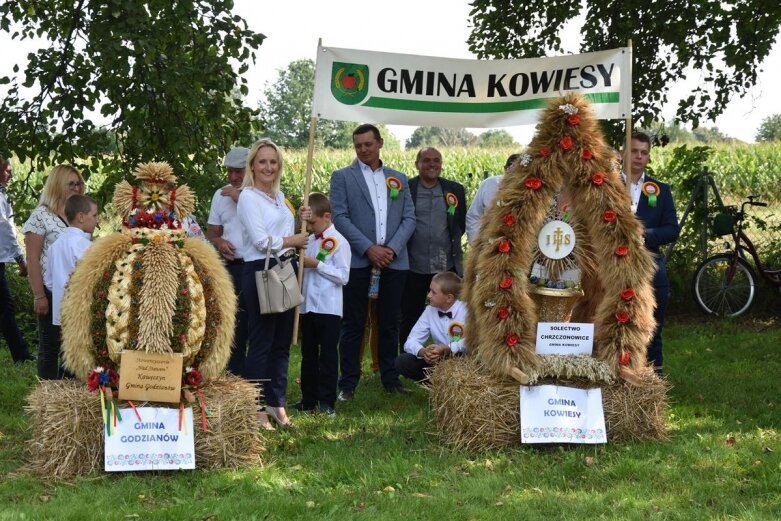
(565,338)
(152,443)
(555,414)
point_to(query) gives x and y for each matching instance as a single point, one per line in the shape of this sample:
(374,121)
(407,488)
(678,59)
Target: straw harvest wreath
(617,269)
(148,288)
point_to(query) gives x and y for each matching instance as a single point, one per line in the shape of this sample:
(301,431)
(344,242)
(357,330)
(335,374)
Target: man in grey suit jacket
(371,206)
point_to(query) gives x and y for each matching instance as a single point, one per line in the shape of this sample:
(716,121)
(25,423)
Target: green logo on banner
(349,82)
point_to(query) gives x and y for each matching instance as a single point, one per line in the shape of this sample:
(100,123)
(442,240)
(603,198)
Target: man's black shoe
(346,396)
(327,410)
(299,406)
(398,389)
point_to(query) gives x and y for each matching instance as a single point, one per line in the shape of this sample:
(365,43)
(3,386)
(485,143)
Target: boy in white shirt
(443,320)
(82,215)
(327,270)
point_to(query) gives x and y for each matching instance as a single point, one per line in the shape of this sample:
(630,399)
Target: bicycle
(725,284)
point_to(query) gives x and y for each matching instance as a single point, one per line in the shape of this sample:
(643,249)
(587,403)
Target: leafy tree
(286,111)
(439,136)
(723,41)
(770,129)
(495,138)
(162,73)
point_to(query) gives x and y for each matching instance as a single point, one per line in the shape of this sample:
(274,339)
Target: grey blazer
(352,212)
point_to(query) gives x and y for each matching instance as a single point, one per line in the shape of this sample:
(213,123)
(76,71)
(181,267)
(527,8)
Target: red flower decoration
(106,274)
(508,219)
(93,381)
(506,283)
(504,246)
(113,377)
(622,250)
(598,179)
(544,151)
(512,339)
(183,338)
(503,313)
(574,119)
(628,294)
(185,291)
(622,317)
(193,377)
(609,216)
(101,294)
(623,358)
(566,143)
(99,314)
(587,154)
(533,183)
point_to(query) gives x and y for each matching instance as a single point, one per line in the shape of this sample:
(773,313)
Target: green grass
(379,459)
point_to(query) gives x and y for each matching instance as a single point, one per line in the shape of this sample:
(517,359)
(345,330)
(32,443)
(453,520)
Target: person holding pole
(372,207)
(652,202)
(224,232)
(267,222)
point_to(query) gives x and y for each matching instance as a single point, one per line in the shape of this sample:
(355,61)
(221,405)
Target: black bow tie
(447,314)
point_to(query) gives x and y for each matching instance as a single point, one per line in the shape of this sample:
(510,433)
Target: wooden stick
(628,143)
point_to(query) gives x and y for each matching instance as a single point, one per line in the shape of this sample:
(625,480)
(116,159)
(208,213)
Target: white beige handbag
(277,286)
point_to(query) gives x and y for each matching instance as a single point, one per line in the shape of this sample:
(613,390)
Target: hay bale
(472,409)
(67,428)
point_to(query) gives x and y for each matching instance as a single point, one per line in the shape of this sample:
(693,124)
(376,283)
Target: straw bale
(67,429)
(473,409)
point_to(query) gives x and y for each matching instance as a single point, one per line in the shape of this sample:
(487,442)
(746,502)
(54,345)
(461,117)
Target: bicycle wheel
(722,291)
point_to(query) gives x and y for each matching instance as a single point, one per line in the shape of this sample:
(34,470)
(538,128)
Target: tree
(495,138)
(723,41)
(439,136)
(162,73)
(770,129)
(286,111)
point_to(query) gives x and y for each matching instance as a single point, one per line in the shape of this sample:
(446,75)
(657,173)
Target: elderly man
(372,208)
(224,232)
(483,198)
(440,211)
(9,252)
(652,202)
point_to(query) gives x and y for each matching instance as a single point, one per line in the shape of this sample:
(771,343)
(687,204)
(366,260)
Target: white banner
(152,443)
(402,89)
(565,338)
(555,414)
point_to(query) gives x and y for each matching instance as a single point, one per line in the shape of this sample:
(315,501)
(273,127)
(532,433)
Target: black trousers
(413,302)
(241,331)
(269,340)
(319,359)
(8,326)
(356,301)
(662,294)
(411,367)
(49,366)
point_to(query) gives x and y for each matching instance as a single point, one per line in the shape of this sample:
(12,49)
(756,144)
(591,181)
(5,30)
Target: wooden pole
(628,139)
(307,188)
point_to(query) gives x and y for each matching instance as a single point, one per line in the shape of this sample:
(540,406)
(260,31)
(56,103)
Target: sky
(424,27)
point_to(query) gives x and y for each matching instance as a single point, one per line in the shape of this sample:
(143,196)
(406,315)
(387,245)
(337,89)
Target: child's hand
(310,262)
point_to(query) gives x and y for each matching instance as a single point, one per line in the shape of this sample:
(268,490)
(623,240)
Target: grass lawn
(379,459)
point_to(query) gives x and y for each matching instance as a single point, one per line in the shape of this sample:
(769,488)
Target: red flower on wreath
(101,294)
(566,143)
(628,294)
(623,358)
(504,246)
(106,274)
(508,219)
(512,339)
(574,119)
(544,151)
(506,283)
(533,183)
(192,376)
(609,216)
(587,154)
(622,317)
(93,381)
(185,291)
(622,250)
(503,313)
(598,178)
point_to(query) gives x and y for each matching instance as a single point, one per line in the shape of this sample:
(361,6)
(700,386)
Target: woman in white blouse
(42,228)
(266,219)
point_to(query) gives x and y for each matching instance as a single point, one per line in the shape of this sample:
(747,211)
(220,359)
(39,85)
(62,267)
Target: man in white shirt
(483,199)
(224,232)
(372,207)
(10,252)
